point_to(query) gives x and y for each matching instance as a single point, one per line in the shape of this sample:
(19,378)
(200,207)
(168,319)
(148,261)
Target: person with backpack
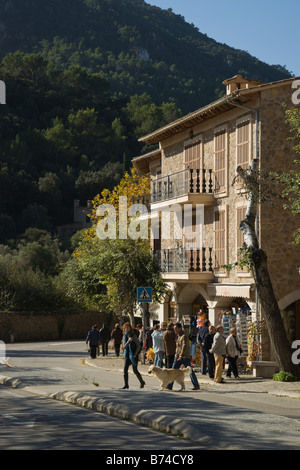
(131,346)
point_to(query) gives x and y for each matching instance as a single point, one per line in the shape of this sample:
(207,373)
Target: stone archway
(191,298)
(290,309)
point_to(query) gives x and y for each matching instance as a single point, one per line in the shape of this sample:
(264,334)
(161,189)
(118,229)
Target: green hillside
(137,47)
(85,79)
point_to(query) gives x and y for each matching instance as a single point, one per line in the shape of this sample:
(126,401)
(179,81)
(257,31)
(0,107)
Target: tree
(107,272)
(290,181)
(258,262)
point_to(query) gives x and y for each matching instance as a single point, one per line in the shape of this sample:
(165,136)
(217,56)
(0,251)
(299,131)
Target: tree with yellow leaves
(106,273)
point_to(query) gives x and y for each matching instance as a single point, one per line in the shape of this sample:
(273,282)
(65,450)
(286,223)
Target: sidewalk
(246,382)
(192,415)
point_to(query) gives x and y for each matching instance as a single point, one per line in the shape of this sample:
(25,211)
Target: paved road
(241,416)
(29,422)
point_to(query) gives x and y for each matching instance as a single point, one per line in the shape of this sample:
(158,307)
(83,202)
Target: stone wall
(45,326)
(277,225)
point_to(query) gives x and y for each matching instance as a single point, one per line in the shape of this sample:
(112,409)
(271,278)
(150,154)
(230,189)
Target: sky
(268,29)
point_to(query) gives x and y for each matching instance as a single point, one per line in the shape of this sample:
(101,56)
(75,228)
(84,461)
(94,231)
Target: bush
(285,377)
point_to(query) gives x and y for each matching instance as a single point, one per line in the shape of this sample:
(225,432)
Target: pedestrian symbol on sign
(144,294)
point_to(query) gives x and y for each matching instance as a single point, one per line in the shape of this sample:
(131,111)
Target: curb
(173,426)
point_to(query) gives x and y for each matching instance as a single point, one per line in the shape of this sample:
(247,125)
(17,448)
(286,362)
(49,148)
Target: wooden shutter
(243,144)
(220,239)
(193,161)
(220,160)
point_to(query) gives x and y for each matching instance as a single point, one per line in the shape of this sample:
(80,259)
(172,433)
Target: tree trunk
(268,301)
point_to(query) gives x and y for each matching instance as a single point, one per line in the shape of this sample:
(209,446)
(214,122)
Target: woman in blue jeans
(131,348)
(182,355)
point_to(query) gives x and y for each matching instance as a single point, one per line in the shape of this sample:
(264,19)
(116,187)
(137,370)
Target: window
(192,153)
(243,143)
(220,240)
(220,160)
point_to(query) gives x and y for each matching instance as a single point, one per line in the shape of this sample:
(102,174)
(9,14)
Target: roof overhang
(141,163)
(210,111)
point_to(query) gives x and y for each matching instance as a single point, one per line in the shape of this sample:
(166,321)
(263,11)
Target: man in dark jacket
(203,332)
(105,337)
(93,337)
(208,342)
(116,336)
(169,339)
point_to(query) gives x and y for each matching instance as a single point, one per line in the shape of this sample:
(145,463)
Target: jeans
(158,361)
(117,349)
(135,370)
(93,350)
(186,362)
(203,361)
(169,361)
(105,348)
(210,364)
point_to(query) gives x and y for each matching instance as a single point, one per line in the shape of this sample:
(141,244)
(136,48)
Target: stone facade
(260,108)
(45,326)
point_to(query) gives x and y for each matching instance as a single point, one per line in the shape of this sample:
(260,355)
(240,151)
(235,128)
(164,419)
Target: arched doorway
(290,309)
(291,318)
(192,301)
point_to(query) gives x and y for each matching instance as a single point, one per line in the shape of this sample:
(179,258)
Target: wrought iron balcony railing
(184,261)
(181,183)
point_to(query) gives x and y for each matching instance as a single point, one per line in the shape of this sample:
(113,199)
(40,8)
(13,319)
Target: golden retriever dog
(165,376)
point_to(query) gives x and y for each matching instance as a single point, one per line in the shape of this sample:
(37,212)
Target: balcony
(178,263)
(183,183)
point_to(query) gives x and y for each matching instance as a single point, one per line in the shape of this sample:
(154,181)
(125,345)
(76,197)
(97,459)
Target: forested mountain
(137,47)
(86,78)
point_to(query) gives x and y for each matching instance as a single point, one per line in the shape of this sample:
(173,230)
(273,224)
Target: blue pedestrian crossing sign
(144,294)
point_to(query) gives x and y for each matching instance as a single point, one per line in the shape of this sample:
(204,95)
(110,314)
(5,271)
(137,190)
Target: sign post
(144,297)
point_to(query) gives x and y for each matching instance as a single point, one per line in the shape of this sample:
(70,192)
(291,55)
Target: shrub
(284,377)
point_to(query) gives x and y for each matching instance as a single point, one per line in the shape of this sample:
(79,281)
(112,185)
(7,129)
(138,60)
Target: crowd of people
(171,347)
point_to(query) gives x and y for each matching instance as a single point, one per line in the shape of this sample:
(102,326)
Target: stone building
(195,166)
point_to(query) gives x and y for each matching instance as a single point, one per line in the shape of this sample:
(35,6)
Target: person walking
(163,327)
(131,348)
(182,355)
(233,349)
(169,339)
(105,337)
(93,338)
(158,345)
(203,332)
(116,336)
(208,342)
(219,351)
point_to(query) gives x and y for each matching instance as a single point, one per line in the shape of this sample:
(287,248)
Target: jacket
(233,346)
(129,350)
(182,346)
(117,335)
(157,341)
(203,332)
(169,338)
(105,334)
(208,342)
(219,345)
(93,337)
